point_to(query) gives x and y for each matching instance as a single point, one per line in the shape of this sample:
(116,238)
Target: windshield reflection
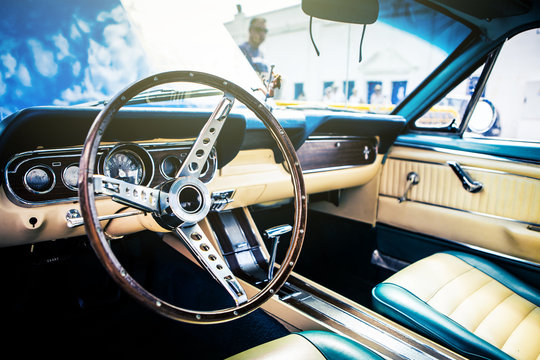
(68,53)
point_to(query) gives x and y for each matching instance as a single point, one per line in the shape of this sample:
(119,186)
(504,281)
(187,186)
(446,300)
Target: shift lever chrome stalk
(274,235)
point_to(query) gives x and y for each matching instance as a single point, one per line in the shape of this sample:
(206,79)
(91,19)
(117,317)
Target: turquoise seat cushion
(336,347)
(398,303)
(405,308)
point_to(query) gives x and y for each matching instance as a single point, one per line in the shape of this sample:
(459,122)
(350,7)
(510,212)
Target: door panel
(499,218)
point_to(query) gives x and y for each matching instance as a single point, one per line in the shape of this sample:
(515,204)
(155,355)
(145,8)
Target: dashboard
(40,150)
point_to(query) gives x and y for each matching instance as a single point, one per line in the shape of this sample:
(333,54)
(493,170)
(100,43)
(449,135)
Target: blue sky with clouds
(61,53)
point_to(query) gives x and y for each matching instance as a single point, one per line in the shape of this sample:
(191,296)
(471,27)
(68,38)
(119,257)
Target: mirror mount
(346,11)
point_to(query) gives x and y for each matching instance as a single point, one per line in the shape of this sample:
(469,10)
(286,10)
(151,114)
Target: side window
(450,111)
(509,106)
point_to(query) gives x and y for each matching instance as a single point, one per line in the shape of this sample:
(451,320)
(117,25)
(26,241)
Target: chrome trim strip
(494,253)
(375,333)
(465,211)
(311,171)
(77,149)
(474,168)
(34,158)
(464,153)
(336,137)
(498,254)
(393,345)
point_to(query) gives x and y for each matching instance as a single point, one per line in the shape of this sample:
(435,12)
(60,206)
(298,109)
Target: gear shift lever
(274,234)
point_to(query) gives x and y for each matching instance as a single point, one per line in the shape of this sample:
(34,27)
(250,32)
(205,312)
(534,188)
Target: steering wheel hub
(188,199)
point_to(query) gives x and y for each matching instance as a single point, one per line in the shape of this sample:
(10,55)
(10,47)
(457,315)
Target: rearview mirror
(347,11)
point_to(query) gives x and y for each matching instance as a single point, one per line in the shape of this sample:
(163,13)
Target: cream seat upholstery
(467,303)
(309,345)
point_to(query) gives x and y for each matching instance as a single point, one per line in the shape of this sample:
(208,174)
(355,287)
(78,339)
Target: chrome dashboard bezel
(74,188)
(76,151)
(29,188)
(137,150)
(161,171)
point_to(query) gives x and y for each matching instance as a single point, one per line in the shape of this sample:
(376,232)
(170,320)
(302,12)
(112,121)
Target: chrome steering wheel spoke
(209,258)
(137,196)
(202,148)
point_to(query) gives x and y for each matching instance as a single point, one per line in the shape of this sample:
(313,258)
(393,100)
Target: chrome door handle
(412,180)
(468,183)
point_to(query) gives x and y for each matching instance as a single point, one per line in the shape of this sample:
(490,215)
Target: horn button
(188,200)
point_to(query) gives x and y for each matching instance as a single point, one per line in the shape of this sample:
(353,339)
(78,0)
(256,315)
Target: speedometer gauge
(124,165)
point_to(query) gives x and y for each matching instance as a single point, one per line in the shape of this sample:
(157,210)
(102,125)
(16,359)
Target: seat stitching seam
(495,279)
(488,281)
(517,325)
(448,282)
(455,307)
(492,310)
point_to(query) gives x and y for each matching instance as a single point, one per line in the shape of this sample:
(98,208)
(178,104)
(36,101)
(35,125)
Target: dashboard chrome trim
(473,168)
(318,170)
(146,177)
(70,152)
(64,176)
(29,188)
(466,153)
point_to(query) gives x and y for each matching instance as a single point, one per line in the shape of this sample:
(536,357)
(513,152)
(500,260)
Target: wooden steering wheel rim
(97,236)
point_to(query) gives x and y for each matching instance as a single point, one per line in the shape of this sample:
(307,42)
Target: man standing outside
(257,34)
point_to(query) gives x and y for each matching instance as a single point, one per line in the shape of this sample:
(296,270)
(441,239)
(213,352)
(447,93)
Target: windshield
(408,41)
(68,53)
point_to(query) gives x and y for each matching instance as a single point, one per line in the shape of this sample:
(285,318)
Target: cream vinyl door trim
(500,218)
(505,195)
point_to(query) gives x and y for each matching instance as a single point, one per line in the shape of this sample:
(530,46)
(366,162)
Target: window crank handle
(412,180)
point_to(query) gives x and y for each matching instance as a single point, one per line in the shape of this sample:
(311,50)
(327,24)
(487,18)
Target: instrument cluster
(48,176)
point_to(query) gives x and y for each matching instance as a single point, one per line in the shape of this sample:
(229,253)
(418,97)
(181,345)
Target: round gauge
(170,166)
(209,169)
(39,179)
(124,165)
(70,176)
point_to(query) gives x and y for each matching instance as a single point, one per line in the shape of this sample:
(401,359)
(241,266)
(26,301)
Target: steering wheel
(184,201)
